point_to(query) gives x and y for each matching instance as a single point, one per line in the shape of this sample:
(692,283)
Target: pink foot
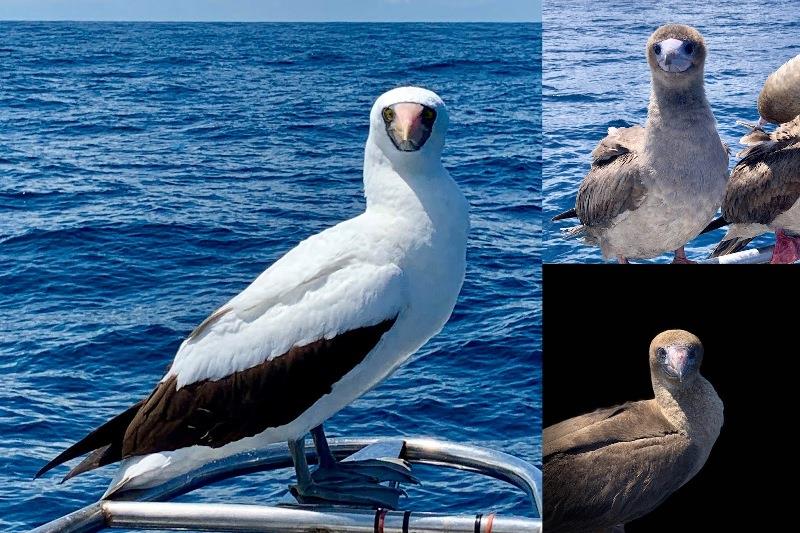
(681,259)
(622,260)
(787,249)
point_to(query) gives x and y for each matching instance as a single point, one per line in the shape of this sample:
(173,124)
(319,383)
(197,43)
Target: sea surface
(596,76)
(149,172)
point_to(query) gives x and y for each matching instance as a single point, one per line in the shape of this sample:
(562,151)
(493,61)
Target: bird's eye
(388,114)
(689,47)
(657,49)
(662,353)
(428,114)
(692,353)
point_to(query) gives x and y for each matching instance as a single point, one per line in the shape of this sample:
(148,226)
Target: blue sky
(273,10)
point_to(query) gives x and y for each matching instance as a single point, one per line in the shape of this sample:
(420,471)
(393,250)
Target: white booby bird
(652,189)
(320,327)
(764,189)
(606,468)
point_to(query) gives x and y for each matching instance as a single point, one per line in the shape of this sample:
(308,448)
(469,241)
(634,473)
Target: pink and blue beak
(678,361)
(674,55)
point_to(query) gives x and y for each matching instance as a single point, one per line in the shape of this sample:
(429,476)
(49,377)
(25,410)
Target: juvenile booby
(652,189)
(320,327)
(764,189)
(611,466)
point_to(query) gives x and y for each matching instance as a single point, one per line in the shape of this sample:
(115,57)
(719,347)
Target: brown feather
(766,181)
(613,185)
(214,413)
(110,432)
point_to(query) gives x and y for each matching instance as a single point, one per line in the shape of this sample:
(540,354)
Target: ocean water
(148,172)
(596,76)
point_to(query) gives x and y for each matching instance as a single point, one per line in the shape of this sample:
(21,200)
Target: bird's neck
(695,410)
(409,190)
(677,107)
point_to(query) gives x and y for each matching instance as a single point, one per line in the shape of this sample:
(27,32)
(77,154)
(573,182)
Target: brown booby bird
(763,192)
(652,189)
(606,468)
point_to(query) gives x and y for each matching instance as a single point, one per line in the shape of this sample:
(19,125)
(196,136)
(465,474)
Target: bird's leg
(324,456)
(622,260)
(349,482)
(787,248)
(681,259)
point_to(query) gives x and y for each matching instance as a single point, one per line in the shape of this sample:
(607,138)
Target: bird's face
(409,123)
(675,356)
(674,55)
(675,51)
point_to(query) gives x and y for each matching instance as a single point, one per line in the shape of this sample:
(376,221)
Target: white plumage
(403,257)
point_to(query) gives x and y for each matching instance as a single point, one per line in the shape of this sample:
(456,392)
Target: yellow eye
(428,113)
(388,114)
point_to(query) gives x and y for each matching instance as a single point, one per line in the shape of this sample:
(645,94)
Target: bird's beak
(409,119)
(673,57)
(677,362)
(408,131)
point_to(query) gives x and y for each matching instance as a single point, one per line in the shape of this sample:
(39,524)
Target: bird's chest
(686,170)
(436,265)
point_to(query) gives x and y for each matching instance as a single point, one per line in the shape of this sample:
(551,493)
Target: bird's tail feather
(570,213)
(717,223)
(105,442)
(731,246)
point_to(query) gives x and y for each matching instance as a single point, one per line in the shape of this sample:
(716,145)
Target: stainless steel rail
(132,510)
(750,256)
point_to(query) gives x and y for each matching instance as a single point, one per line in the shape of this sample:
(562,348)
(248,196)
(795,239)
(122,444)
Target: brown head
(779,101)
(676,54)
(675,358)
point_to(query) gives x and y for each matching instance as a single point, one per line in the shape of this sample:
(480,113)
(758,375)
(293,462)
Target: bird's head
(409,123)
(779,101)
(675,358)
(676,54)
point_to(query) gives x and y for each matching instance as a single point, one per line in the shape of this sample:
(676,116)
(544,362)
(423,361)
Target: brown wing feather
(272,394)
(109,433)
(611,466)
(213,413)
(623,423)
(614,184)
(765,182)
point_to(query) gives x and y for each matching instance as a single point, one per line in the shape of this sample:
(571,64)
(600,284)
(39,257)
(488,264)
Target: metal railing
(139,509)
(750,256)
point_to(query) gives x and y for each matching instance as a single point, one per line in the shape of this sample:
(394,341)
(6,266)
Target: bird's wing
(614,184)
(766,180)
(273,350)
(611,466)
(267,355)
(605,426)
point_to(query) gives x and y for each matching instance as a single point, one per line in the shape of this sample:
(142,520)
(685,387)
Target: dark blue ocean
(596,76)
(149,172)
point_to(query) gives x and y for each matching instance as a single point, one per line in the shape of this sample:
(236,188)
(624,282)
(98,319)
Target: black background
(597,326)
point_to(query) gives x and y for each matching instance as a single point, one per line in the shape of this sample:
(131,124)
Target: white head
(407,125)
